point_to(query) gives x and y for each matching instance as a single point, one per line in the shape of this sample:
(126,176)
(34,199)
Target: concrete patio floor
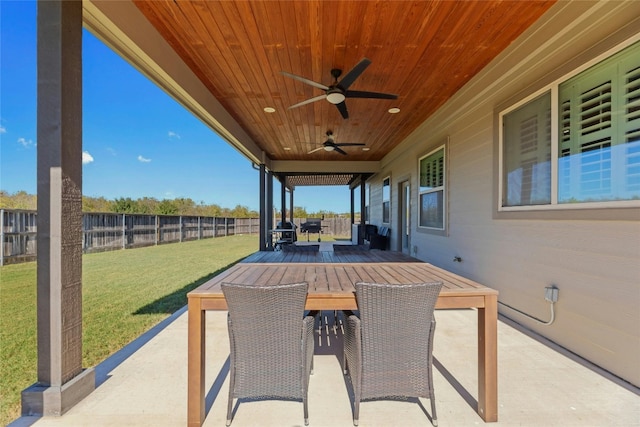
(145,385)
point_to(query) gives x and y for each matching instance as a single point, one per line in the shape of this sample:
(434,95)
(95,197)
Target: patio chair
(271,362)
(388,348)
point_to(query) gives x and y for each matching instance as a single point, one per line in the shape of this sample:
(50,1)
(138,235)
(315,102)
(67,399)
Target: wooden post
(1,237)
(362,211)
(270,224)
(283,201)
(291,204)
(61,381)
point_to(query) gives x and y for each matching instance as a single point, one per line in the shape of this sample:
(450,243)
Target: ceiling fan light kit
(335,97)
(330,145)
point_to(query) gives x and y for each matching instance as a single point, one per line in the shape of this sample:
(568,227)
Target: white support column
(62,382)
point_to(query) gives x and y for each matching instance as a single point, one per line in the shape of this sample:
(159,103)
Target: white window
(386,200)
(367,193)
(576,143)
(432,190)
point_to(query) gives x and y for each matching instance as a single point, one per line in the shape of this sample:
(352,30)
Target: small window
(432,190)
(386,200)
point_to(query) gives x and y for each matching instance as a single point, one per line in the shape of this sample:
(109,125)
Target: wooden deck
(342,256)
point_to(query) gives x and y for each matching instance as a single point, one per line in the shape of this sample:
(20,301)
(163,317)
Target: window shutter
(600,131)
(432,171)
(631,123)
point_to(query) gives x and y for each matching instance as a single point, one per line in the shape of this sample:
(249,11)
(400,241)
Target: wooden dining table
(331,287)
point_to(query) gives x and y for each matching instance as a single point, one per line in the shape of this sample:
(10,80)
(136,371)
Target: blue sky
(137,141)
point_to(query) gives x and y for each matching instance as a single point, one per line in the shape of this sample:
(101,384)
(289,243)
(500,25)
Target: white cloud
(86,158)
(143,159)
(111,151)
(3,129)
(173,135)
(26,143)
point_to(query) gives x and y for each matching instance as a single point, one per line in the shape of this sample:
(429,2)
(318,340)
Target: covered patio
(252,71)
(540,384)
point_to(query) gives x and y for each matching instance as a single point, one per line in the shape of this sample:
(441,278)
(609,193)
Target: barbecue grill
(313,226)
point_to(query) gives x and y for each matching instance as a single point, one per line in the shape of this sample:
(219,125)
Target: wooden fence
(112,231)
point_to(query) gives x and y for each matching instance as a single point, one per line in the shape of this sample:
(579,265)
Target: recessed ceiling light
(287,148)
(269,110)
(394,110)
(366,148)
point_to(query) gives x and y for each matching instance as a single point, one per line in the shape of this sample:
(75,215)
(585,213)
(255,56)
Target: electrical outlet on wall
(551,293)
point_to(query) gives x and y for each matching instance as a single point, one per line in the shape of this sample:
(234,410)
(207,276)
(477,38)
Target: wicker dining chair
(388,348)
(272,362)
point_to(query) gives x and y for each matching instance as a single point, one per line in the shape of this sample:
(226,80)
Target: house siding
(592,257)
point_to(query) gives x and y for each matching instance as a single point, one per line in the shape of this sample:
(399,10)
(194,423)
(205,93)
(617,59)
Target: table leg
(195,363)
(488,359)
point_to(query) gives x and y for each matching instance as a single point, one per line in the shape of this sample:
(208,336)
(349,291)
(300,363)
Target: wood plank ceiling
(424,51)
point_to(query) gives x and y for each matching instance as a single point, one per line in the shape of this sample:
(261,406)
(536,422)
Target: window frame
(445,195)
(367,197)
(386,182)
(553,88)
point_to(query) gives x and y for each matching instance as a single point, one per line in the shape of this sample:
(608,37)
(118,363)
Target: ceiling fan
(330,145)
(337,92)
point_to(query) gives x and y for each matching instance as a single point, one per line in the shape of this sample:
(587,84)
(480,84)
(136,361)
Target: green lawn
(124,294)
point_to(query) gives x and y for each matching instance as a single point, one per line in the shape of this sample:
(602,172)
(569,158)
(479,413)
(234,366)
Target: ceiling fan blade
(316,149)
(355,72)
(308,101)
(342,107)
(339,150)
(347,144)
(304,80)
(370,95)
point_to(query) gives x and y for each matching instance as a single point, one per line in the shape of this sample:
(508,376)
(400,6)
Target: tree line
(151,206)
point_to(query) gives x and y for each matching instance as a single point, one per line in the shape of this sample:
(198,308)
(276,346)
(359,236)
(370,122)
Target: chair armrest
(353,347)
(308,344)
